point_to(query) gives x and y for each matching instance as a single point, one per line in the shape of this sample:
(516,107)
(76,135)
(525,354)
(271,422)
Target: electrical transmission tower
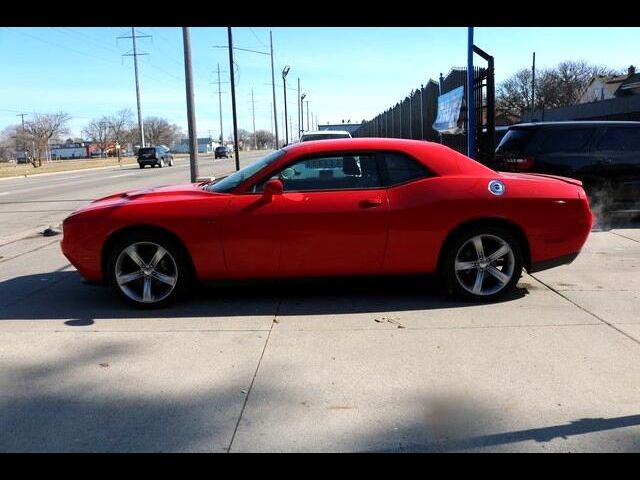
(135,56)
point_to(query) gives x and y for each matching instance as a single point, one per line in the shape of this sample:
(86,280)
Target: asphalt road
(45,200)
(382,365)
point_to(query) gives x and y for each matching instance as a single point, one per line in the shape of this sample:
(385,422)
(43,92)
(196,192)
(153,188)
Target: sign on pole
(449,111)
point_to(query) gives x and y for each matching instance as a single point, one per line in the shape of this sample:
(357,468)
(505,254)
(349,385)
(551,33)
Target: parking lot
(357,365)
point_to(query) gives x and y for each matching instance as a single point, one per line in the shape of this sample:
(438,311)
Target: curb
(65,171)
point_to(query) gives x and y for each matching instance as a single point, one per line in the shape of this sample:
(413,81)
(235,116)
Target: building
(606,87)
(604,98)
(205,145)
(70,150)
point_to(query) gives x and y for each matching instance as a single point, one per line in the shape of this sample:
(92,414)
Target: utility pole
(233,100)
(21,115)
(307,114)
(533,85)
(220,106)
(135,56)
(253,110)
(270,119)
(299,117)
(191,113)
(285,71)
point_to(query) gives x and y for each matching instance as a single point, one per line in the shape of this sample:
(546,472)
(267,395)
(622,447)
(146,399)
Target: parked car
(339,207)
(223,152)
(604,155)
(155,156)
(324,135)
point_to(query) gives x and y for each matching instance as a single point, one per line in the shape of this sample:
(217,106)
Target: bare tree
(158,131)
(120,126)
(98,132)
(264,139)
(13,142)
(555,87)
(41,128)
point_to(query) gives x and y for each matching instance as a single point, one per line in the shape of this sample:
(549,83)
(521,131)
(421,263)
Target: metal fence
(413,117)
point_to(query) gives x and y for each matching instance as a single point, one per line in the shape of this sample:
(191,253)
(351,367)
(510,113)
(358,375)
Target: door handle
(371,203)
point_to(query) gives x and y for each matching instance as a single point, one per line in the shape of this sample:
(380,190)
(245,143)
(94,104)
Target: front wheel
(482,264)
(148,271)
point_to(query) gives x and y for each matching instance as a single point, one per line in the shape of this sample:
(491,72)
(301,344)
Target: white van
(324,135)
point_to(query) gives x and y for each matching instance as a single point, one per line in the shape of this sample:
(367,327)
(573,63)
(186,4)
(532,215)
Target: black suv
(158,155)
(605,155)
(222,152)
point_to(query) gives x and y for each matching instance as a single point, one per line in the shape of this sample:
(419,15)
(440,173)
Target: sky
(347,73)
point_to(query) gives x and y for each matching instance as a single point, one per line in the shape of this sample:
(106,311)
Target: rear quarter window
(399,168)
(516,142)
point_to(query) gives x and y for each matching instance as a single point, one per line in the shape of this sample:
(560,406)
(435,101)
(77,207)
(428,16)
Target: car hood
(173,192)
(187,189)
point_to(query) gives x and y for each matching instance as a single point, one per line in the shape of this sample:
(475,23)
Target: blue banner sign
(449,111)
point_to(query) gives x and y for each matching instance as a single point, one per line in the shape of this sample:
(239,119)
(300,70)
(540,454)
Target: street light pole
(285,71)
(307,114)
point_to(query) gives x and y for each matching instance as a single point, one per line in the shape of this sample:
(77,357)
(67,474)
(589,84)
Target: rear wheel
(482,263)
(141,165)
(147,270)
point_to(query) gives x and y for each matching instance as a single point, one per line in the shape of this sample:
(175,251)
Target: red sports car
(364,206)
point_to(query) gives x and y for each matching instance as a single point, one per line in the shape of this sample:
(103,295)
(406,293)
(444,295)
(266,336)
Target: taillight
(518,164)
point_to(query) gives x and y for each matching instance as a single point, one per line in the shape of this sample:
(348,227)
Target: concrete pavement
(383,365)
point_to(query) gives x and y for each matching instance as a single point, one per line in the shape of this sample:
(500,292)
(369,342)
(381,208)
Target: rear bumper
(552,263)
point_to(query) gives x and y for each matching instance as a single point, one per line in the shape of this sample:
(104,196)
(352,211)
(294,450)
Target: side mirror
(271,188)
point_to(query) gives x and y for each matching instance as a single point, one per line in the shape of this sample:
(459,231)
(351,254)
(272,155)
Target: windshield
(232,181)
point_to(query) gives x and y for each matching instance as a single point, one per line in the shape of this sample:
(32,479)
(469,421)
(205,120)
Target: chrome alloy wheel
(484,264)
(146,272)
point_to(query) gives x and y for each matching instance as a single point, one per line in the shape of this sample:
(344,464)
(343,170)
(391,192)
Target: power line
(254,34)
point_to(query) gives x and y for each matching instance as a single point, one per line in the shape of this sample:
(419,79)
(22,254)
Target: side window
(401,169)
(566,140)
(620,139)
(340,172)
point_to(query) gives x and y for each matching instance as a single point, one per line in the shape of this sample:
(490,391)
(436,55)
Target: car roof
(437,157)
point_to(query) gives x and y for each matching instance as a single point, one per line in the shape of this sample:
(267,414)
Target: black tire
(509,265)
(160,163)
(141,165)
(174,264)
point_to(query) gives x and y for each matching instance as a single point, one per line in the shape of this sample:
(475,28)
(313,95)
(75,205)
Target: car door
(415,214)
(332,216)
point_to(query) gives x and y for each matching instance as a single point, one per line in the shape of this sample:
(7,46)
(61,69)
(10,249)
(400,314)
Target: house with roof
(606,87)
